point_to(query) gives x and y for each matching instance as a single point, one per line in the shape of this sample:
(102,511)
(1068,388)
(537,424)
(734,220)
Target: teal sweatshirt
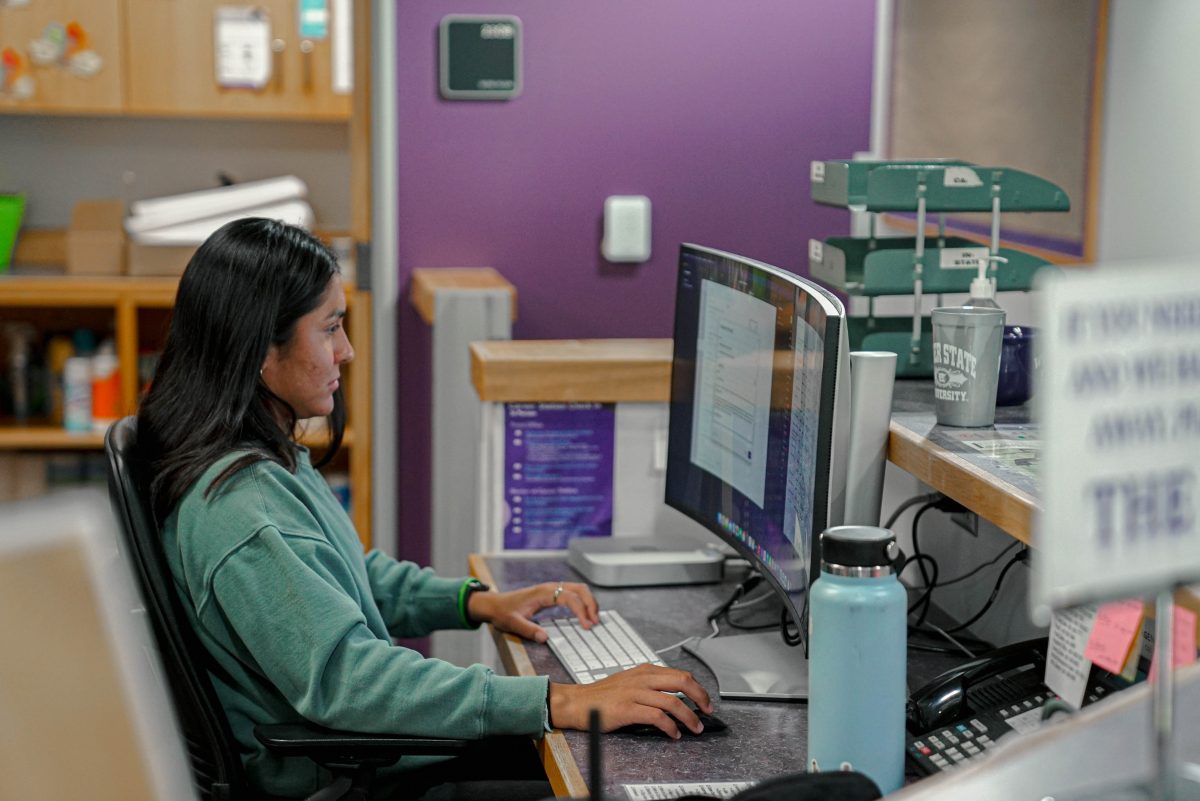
(299,623)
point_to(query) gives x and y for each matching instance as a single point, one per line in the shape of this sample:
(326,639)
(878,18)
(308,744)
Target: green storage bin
(12,208)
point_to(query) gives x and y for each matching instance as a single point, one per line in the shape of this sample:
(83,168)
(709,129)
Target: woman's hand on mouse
(643,694)
(513,611)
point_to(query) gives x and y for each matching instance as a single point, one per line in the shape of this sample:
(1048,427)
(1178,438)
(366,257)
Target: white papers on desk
(189,218)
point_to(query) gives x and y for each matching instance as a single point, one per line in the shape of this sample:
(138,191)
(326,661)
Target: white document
(1066,666)
(342,48)
(160,212)
(194,232)
(242,46)
(734,353)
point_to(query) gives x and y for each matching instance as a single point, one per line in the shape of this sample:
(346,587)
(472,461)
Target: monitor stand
(755,667)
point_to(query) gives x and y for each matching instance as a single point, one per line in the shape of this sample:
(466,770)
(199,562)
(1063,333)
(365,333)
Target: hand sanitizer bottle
(983,293)
(858,638)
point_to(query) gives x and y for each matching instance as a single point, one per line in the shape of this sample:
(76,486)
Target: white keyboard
(607,648)
(658,792)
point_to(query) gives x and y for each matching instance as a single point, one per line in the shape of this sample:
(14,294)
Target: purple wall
(711,108)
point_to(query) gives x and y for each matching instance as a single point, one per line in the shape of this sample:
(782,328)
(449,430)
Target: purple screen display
(558,473)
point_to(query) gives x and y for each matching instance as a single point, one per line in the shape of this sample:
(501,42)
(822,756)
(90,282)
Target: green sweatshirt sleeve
(304,629)
(413,601)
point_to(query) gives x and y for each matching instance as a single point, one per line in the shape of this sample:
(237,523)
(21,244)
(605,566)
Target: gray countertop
(764,738)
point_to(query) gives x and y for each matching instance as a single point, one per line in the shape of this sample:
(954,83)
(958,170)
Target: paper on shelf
(194,232)
(160,212)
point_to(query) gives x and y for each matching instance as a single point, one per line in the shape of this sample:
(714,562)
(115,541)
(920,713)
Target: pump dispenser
(983,293)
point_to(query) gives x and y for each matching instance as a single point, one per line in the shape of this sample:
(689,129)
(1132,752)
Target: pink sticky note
(1116,626)
(1183,640)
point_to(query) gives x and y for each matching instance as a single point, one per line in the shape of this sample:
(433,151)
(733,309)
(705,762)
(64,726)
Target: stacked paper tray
(947,185)
(873,267)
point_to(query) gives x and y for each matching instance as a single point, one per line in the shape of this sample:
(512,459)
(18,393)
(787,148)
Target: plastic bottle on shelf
(106,386)
(58,350)
(20,342)
(77,394)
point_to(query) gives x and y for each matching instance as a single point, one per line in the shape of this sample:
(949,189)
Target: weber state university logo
(953,369)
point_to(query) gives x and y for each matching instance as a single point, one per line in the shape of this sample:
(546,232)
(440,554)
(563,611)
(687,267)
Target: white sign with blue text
(1118,398)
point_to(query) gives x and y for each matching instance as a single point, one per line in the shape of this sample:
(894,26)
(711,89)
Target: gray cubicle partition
(461,316)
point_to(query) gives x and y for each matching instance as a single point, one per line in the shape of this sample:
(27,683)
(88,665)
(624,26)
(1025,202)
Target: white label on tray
(961,177)
(817,172)
(962,258)
(816,251)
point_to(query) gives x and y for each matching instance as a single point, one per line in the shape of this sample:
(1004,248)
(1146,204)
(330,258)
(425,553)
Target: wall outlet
(967,521)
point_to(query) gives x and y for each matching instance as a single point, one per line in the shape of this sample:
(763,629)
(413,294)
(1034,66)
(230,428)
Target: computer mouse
(712,724)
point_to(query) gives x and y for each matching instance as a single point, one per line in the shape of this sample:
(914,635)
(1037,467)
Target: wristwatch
(469,587)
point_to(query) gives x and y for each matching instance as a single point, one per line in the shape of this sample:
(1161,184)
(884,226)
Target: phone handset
(944,700)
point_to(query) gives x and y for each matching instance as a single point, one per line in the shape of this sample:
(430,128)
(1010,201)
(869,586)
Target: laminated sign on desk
(1119,403)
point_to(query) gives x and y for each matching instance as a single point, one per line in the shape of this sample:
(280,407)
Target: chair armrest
(331,746)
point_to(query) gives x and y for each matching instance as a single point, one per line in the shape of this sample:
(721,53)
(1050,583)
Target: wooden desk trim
(572,370)
(981,492)
(557,760)
(426,281)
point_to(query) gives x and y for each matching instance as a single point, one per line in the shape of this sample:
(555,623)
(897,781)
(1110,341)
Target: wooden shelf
(124,297)
(48,438)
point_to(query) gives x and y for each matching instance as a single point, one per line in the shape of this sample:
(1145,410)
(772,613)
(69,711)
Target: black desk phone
(964,711)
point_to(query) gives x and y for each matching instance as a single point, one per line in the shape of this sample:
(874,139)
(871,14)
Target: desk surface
(764,739)
(963,463)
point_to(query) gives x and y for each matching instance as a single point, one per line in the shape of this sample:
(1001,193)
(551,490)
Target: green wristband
(464,595)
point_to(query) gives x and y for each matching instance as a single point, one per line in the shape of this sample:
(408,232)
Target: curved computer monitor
(759,401)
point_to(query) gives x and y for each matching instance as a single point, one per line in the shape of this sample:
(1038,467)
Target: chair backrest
(216,766)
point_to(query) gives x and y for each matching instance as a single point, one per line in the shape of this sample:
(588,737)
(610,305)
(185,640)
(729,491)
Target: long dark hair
(242,291)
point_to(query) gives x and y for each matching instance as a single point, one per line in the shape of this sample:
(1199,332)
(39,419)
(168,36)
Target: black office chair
(216,767)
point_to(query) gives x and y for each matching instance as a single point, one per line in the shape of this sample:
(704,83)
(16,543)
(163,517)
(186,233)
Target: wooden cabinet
(135,311)
(82,71)
(171,64)
(157,58)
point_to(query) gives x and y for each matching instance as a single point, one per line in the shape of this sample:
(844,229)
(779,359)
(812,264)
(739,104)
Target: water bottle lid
(868,547)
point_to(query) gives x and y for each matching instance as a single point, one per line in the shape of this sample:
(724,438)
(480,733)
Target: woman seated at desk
(269,568)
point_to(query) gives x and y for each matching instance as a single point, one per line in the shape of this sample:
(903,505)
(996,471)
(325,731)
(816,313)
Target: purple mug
(1015,384)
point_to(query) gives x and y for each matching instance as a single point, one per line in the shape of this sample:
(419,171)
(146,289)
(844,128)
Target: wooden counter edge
(1004,506)
(425,281)
(572,370)
(557,760)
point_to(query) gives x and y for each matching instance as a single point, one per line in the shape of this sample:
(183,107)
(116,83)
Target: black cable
(1019,556)
(913,501)
(916,548)
(926,597)
(747,584)
(785,621)
(988,563)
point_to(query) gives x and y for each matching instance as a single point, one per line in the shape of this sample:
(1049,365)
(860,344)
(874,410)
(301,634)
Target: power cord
(1020,556)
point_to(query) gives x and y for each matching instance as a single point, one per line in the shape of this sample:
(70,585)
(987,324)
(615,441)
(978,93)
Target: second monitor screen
(744,453)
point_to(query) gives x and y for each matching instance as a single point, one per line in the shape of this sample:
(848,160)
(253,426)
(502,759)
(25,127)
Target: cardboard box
(158,259)
(96,238)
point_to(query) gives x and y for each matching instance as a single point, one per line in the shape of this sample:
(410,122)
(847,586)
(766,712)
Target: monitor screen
(752,412)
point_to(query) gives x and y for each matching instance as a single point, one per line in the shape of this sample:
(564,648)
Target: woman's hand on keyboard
(513,611)
(644,694)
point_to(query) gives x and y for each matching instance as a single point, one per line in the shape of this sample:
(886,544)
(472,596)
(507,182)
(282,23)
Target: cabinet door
(45,69)
(172,63)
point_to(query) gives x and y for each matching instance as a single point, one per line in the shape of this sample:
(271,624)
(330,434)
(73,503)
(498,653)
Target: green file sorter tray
(885,266)
(948,186)
(894,334)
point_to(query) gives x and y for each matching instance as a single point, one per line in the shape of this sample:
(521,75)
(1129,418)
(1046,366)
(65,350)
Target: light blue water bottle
(858,635)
